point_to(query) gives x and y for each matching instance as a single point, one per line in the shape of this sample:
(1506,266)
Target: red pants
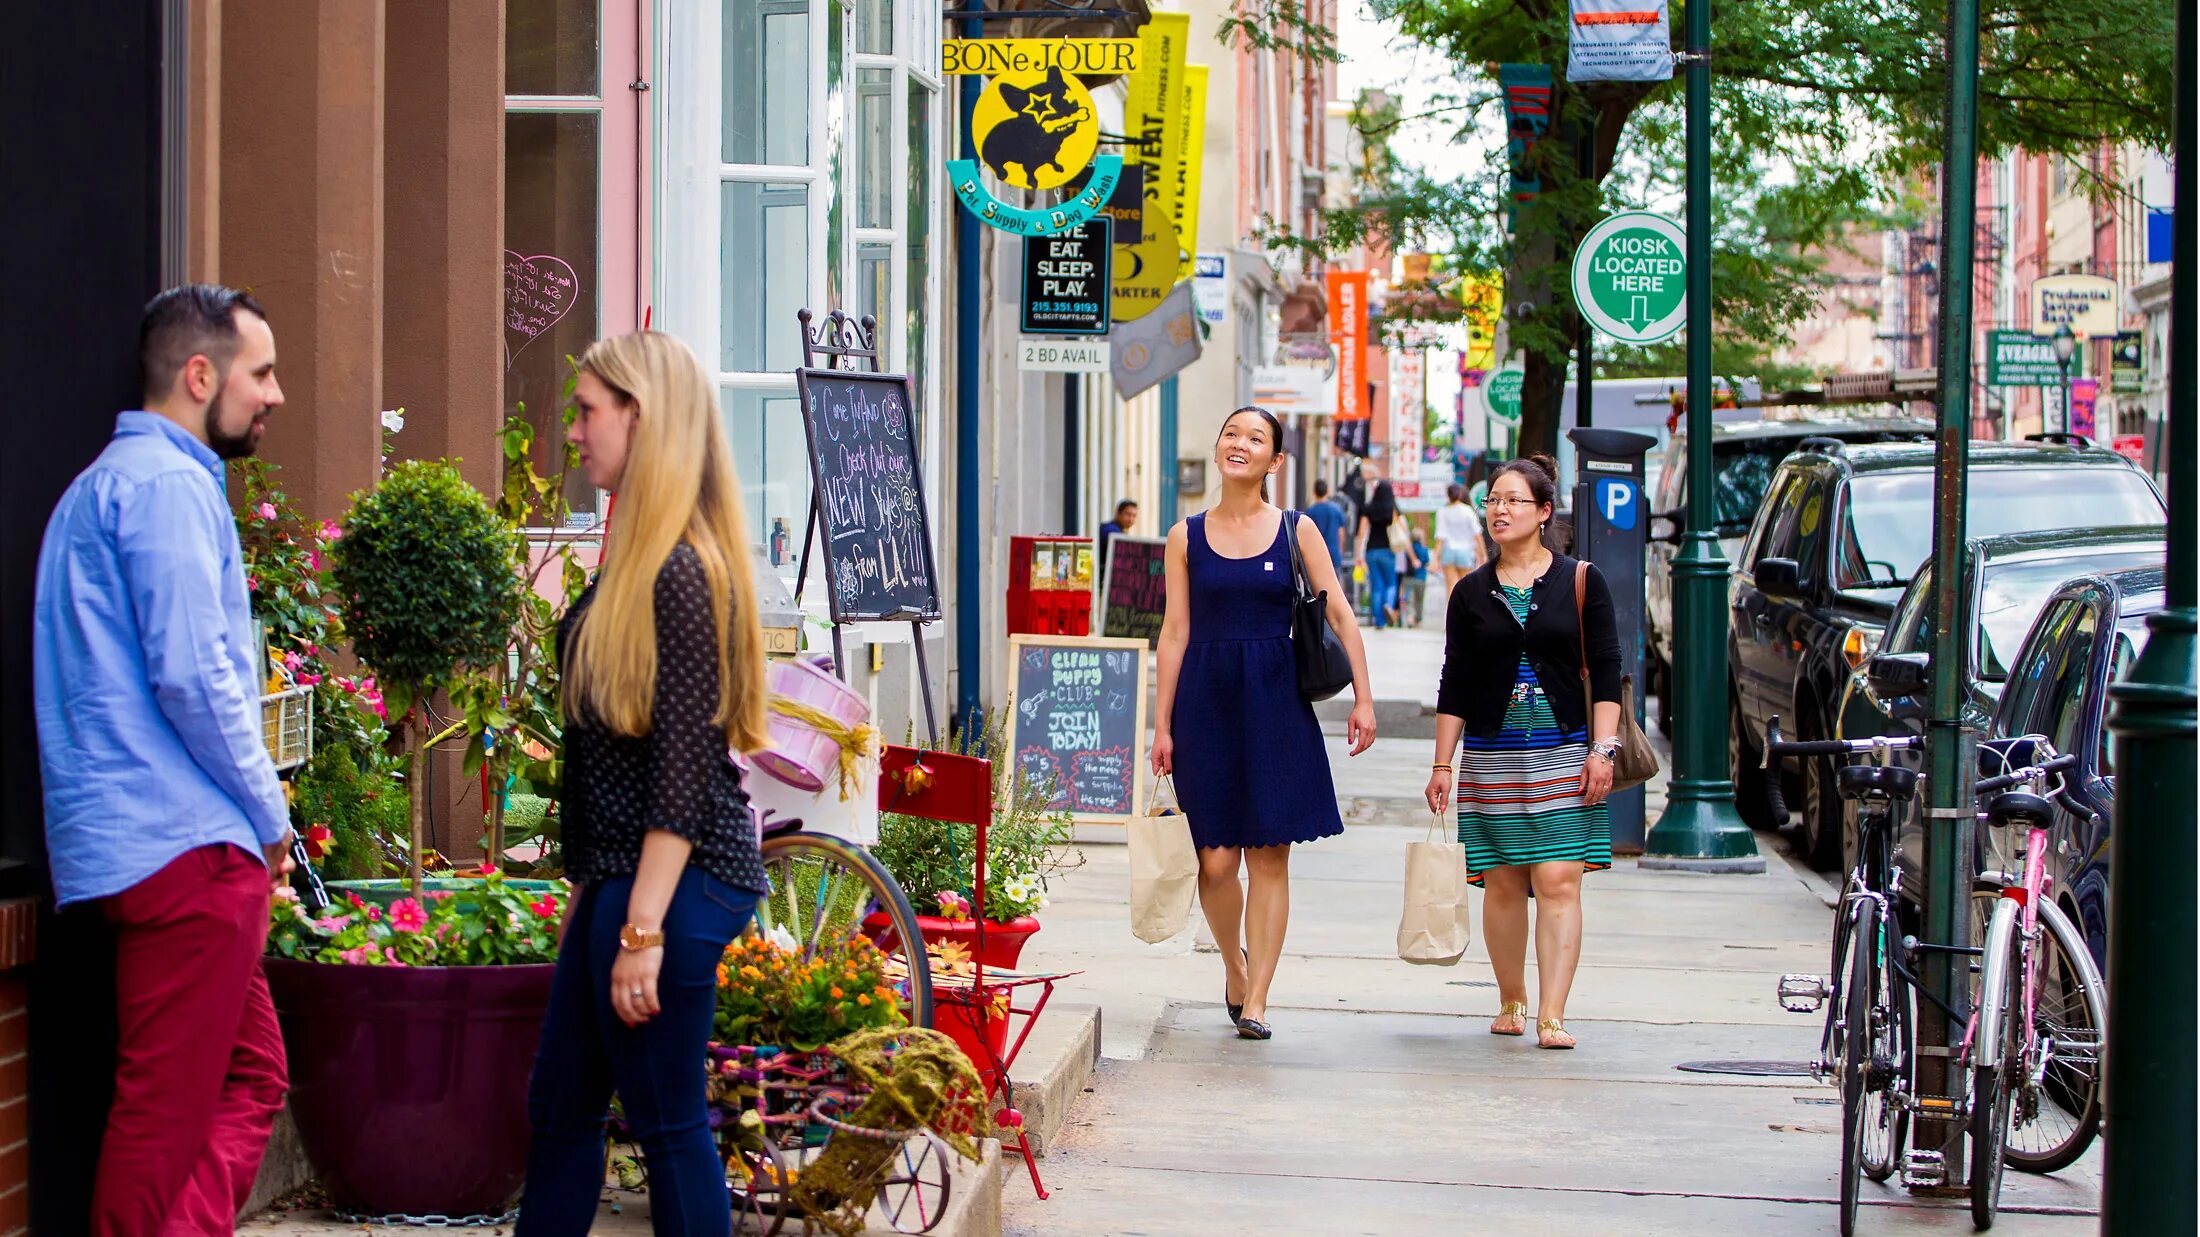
(200,1072)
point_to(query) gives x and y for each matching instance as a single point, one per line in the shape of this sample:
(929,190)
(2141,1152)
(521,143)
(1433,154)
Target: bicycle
(822,889)
(2019,1072)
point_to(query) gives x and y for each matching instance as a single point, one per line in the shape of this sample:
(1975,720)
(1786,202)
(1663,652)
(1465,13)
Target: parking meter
(1612,530)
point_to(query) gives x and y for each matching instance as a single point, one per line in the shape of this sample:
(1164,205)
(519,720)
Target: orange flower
(864,999)
(751,972)
(837,993)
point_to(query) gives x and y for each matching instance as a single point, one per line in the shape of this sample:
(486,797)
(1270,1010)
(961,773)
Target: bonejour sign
(1631,279)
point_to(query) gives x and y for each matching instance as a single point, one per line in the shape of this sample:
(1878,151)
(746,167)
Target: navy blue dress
(1250,766)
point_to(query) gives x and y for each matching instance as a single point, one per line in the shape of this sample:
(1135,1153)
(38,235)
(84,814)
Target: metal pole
(1949,864)
(2149,1184)
(1700,830)
(969,469)
(1584,337)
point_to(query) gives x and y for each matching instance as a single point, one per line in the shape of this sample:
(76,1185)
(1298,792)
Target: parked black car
(2087,637)
(1744,454)
(2008,581)
(1841,532)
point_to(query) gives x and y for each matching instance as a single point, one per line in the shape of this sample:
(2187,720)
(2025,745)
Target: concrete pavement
(1383,1106)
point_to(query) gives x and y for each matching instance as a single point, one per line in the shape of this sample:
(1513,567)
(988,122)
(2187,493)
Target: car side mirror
(1896,675)
(1780,577)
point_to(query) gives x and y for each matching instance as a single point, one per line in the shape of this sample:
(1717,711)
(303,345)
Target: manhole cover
(1755,1069)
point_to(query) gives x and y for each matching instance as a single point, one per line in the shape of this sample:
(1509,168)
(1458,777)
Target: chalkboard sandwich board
(1134,588)
(1079,722)
(869,495)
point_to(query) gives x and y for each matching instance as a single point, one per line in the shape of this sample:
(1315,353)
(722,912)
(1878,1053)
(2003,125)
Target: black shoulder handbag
(1324,667)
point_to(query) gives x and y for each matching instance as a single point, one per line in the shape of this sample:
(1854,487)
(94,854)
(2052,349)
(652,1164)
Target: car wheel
(1824,831)
(1750,800)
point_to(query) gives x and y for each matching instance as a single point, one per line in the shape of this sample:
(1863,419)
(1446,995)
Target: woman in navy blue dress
(1245,750)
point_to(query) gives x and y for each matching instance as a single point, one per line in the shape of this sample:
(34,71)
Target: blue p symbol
(1617,499)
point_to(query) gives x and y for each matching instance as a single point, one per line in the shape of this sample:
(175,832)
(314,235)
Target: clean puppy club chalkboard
(870,495)
(1134,588)
(1079,722)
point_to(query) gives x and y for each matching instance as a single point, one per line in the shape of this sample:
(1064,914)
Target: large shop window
(574,201)
(828,134)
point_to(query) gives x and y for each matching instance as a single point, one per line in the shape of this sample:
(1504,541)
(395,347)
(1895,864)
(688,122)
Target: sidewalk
(1382,1106)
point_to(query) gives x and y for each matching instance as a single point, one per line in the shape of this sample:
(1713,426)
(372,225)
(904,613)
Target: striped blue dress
(1520,789)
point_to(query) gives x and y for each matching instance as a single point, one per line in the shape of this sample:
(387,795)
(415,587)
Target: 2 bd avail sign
(1066,280)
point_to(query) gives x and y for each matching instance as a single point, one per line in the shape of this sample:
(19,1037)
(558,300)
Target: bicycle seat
(1877,782)
(2020,807)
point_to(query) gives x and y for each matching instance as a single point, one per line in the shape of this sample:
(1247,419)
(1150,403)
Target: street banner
(1352,437)
(2021,359)
(1211,287)
(1348,330)
(1631,277)
(2089,305)
(995,57)
(2127,363)
(1156,95)
(2085,398)
(969,185)
(1527,93)
(1620,41)
(1066,287)
(1406,413)
(1483,301)
(1288,389)
(1156,345)
(1192,145)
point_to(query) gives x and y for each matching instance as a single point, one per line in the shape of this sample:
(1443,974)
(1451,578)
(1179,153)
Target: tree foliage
(1822,115)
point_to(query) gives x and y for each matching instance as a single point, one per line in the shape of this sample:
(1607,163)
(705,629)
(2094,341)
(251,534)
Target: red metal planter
(409,1084)
(1004,942)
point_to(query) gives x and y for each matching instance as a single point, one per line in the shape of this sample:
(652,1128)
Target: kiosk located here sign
(1631,277)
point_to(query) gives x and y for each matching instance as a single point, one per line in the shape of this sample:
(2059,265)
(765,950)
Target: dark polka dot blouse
(678,777)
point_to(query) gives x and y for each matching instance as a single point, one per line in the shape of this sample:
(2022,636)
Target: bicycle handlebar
(1775,746)
(1988,785)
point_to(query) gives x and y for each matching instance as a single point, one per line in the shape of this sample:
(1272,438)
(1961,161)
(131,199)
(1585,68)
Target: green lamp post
(1699,829)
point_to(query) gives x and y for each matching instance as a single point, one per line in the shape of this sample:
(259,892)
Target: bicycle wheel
(1990,1084)
(2055,1118)
(1853,1052)
(823,888)
(1886,1120)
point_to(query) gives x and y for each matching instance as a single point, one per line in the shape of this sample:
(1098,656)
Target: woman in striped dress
(1531,780)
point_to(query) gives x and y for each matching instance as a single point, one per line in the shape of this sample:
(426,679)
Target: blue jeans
(1382,583)
(656,1068)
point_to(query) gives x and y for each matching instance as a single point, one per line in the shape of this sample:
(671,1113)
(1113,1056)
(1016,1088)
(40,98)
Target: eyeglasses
(1501,504)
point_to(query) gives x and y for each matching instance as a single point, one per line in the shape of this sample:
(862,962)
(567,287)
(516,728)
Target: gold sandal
(1549,1027)
(1511,1009)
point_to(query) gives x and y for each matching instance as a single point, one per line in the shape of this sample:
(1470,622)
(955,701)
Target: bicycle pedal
(1924,1170)
(1803,994)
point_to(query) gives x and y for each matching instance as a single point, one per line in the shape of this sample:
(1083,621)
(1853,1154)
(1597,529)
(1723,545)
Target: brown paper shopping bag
(1164,867)
(1433,930)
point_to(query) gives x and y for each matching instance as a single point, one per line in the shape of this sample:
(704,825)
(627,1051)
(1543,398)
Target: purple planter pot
(409,1084)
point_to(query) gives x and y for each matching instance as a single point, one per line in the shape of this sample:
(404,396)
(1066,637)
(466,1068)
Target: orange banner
(1348,331)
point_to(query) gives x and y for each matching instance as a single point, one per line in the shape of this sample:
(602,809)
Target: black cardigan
(1482,646)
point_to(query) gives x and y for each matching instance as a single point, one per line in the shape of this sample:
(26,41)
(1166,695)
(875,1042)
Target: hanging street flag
(1348,330)
(1156,345)
(1192,148)
(1407,408)
(1147,268)
(1482,298)
(1527,92)
(1620,41)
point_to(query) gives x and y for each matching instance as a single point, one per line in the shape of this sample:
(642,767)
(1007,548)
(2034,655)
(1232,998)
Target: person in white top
(1458,538)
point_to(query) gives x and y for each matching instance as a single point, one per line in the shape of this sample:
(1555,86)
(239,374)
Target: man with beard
(162,807)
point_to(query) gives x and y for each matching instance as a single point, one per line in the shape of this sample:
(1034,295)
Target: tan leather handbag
(1637,761)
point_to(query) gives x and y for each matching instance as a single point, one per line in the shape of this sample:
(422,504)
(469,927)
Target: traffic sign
(1501,394)
(1631,278)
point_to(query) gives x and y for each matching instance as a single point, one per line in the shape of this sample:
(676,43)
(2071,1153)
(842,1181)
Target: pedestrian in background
(663,661)
(162,806)
(1413,585)
(1328,519)
(1243,745)
(1531,781)
(1458,537)
(1126,517)
(1373,545)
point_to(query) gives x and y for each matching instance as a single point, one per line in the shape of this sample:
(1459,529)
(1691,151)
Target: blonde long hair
(679,485)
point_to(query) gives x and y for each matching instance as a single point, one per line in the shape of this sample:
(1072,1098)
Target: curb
(1063,1052)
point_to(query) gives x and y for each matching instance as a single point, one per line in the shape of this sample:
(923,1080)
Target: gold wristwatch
(634,940)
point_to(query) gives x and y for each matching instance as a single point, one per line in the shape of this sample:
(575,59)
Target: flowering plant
(937,862)
(770,993)
(493,923)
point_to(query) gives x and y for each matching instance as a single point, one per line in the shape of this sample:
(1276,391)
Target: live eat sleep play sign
(1066,280)
(1631,277)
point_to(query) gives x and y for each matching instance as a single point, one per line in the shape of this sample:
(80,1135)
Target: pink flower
(953,905)
(407,915)
(390,955)
(291,662)
(309,680)
(330,924)
(252,583)
(374,914)
(547,908)
(330,530)
(266,511)
(357,903)
(313,561)
(360,956)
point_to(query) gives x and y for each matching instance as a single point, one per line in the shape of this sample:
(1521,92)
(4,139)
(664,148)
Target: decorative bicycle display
(2034,1030)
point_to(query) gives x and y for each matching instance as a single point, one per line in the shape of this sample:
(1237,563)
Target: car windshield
(1890,523)
(1745,473)
(2011,596)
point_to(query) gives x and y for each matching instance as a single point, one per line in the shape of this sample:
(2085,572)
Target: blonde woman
(664,673)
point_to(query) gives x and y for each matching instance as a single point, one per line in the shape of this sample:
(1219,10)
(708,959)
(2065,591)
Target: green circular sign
(1631,277)
(1501,391)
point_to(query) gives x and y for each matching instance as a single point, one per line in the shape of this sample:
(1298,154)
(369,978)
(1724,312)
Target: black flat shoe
(1253,1028)
(1239,1008)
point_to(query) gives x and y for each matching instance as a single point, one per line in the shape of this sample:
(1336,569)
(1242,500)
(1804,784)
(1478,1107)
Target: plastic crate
(286,724)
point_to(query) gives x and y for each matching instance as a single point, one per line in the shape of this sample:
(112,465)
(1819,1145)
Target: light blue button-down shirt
(147,682)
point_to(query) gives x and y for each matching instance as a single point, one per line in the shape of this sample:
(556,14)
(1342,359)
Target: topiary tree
(424,573)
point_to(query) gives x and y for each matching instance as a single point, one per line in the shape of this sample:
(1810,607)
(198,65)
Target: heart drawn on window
(538,291)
